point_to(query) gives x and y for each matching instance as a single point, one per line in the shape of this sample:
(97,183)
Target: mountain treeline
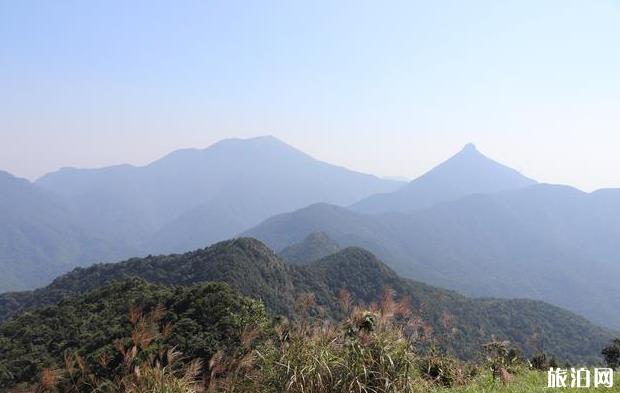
(459,324)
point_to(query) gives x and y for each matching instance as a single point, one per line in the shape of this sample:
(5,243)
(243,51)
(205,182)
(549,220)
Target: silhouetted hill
(315,246)
(468,172)
(552,243)
(461,324)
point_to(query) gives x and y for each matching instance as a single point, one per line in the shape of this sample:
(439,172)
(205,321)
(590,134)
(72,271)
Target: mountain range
(188,199)
(193,197)
(546,242)
(471,224)
(458,323)
(40,237)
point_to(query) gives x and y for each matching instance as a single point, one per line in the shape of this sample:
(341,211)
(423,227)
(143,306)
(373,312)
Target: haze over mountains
(39,236)
(546,242)
(186,200)
(194,197)
(489,231)
(470,224)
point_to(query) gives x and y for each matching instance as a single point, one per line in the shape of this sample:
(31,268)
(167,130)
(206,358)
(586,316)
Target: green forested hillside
(459,324)
(206,318)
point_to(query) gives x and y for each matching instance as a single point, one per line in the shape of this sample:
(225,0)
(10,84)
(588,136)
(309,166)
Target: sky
(390,88)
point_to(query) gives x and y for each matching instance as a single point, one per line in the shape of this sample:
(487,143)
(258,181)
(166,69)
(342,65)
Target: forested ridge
(459,324)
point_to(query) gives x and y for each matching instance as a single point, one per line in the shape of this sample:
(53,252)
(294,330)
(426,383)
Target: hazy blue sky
(390,88)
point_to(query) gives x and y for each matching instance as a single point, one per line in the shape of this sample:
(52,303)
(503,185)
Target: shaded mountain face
(39,236)
(468,172)
(551,243)
(460,324)
(191,198)
(315,246)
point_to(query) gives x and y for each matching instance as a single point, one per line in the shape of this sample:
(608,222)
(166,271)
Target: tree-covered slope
(459,323)
(203,319)
(244,263)
(464,323)
(545,242)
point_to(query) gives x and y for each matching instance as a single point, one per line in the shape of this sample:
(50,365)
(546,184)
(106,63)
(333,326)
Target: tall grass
(373,350)
(145,366)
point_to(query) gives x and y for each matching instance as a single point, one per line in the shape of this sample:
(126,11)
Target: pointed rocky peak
(465,173)
(469,153)
(472,164)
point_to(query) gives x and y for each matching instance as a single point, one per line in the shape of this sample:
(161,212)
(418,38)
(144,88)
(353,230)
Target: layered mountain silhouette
(470,224)
(468,172)
(188,199)
(460,324)
(544,242)
(193,197)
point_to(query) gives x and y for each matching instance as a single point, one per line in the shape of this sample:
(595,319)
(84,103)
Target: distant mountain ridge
(40,237)
(553,243)
(315,246)
(186,200)
(466,173)
(469,224)
(206,195)
(254,269)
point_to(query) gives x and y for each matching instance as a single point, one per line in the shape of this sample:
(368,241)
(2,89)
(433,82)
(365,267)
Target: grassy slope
(529,382)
